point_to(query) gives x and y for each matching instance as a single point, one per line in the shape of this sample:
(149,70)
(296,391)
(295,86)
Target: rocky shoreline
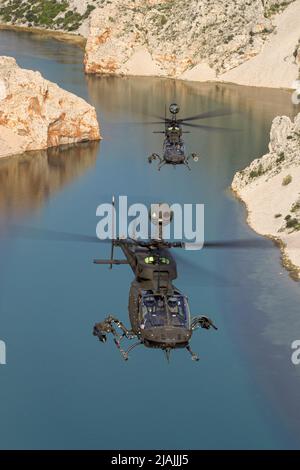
(270,189)
(75,39)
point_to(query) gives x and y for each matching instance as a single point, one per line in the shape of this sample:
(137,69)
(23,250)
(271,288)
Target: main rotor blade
(261,243)
(162,122)
(162,118)
(111,261)
(209,276)
(208,114)
(210,128)
(34,233)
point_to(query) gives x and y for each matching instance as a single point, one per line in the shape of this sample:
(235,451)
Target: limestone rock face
(248,42)
(269,186)
(284,154)
(177,38)
(37,114)
(278,63)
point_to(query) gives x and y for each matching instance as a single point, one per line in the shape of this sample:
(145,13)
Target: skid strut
(154,156)
(195,357)
(102,329)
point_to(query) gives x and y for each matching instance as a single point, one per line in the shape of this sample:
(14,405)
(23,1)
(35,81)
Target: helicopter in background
(174,149)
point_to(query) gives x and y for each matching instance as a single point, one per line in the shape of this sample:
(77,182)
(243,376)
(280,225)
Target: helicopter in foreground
(159,313)
(174,149)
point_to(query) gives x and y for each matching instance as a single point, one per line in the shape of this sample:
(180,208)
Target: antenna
(160,228)
(160,215)
(158,279)
(168,353)
(113,233)
(133,235)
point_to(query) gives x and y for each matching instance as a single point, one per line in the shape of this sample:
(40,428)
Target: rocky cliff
(37,114)
(183,39)
(278,63)
(187,39)
(270,188)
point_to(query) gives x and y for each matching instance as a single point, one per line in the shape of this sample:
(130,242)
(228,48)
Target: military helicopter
(159,313)
(174,150)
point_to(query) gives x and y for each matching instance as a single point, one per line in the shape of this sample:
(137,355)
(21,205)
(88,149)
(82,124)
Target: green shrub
(44,13)
(286,180)
(277,216)
(258,172)
(163,20)
(39,12)
(293,223)
(295,206)
(88,11)
(280,158)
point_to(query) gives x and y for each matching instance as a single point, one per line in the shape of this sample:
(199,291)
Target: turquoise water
(63,389)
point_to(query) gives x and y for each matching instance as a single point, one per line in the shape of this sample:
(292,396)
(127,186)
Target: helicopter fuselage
(174,151)
(156,323)
(158,311)
(173,147)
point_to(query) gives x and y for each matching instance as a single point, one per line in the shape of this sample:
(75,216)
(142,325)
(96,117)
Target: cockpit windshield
(165,310)
(174,147)
(178,310)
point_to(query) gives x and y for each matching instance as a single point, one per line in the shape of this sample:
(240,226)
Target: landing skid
(163,162)
(200,322)
(195,356)
(161,165)
(186,164)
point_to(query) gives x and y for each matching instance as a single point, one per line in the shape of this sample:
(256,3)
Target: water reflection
(39,46)
(136,100)
(28,180)
(142,95)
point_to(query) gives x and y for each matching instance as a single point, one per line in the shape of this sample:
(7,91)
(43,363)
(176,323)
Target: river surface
(61,388)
